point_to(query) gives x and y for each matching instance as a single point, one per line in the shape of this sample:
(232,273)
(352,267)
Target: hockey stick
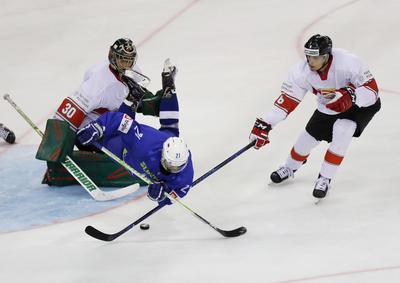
(74,169)
(223,163)
(91,231)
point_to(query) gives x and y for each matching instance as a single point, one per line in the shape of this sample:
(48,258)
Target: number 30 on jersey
(71,112)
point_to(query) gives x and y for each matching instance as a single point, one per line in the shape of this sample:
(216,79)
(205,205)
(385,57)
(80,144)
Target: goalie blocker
(58,142)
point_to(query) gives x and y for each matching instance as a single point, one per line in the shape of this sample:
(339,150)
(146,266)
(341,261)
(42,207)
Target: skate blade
(317,200)
(281,184)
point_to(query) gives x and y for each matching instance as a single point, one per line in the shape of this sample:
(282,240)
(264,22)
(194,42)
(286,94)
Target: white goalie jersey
(100,91)
(344,70)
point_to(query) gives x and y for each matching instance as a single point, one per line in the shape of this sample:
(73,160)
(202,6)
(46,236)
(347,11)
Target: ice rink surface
(232,56)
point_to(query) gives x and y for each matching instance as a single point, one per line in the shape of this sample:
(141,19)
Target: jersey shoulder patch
(125,124)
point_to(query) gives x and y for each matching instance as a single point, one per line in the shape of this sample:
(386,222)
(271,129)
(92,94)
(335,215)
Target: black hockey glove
(136,92)
(168,78)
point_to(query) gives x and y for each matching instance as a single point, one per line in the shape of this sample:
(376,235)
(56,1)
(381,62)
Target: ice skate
(7,134)
(321,188)
(282,174)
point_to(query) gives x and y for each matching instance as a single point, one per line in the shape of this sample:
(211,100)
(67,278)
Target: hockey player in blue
(160,154)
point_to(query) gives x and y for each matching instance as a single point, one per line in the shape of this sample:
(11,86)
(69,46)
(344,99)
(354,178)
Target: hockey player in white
(347,99)
(114,83)
(104,87)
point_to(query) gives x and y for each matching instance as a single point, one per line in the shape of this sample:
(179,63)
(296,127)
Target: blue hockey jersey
(140,146)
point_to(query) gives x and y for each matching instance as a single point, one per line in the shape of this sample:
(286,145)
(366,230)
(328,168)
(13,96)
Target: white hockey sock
(300,151)
(343,131)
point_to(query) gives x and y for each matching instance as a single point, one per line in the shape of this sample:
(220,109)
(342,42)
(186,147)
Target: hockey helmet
(318,45)
(122,55)
(175,155)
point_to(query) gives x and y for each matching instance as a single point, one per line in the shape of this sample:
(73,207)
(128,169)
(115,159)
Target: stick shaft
(22,113)
(223,163)
(110,237)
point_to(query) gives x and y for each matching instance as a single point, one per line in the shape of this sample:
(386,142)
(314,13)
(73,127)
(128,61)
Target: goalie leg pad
(58,141)
(99,167)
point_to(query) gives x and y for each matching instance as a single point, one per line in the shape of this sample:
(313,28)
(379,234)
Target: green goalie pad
(151,103)
(99,167)
(58,141)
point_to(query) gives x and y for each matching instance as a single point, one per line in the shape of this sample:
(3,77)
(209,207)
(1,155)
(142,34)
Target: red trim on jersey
(293,98)
(324,74)
(101,111)
(286,102)
(71,112)
(297,156)
(333,158)
(77,105)
(372,86)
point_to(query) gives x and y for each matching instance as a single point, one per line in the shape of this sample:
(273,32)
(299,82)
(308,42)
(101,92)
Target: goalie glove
(260,132)
(136,91)
(168,78)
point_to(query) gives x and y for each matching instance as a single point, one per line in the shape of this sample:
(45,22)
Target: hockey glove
(345,102)
(136,91)
(156,192)
(168,78)
(90,133)
(260,133)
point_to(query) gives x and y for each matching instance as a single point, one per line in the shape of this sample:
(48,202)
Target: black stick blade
(91,231)
(232,233)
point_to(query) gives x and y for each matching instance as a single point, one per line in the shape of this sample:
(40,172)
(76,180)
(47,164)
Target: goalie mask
(122,55)
(175,155)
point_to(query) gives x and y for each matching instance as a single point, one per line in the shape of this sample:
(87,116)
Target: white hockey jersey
(344,69)
(101,91)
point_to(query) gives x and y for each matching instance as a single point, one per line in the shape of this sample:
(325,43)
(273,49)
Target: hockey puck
(144,226)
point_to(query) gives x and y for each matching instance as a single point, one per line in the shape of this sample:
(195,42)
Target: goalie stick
(95,233)
(75,170)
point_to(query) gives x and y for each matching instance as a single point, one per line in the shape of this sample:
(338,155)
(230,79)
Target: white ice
(232,57)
